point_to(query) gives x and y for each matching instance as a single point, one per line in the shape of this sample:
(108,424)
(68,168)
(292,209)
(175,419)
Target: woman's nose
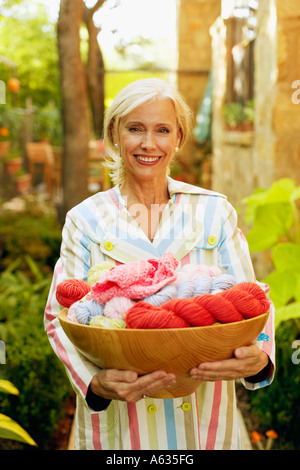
(148,140)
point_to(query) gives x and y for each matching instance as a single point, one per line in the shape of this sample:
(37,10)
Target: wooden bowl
(172,350)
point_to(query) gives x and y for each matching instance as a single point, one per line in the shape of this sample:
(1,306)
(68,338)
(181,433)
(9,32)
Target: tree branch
(90,11)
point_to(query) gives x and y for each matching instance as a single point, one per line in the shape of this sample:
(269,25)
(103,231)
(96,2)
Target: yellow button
(152,409)
(108,246)
(212,240)
(186,406)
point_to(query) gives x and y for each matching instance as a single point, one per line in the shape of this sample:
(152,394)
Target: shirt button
(108,246)
(152,409)
(186,406)
(212,240)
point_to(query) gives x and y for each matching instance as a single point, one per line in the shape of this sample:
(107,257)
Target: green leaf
(296,194)
(8,387)
(272,221)
(281,191)
(288,312)
(10,429)
(282,286)
(286,256)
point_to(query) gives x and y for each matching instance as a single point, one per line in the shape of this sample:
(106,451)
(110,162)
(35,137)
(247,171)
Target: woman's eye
(134,129)
(164,130)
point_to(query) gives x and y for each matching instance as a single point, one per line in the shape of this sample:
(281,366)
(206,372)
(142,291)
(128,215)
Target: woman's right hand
(126,385)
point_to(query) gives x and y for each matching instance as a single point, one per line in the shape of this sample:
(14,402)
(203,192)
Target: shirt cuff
(264,374)
(96,402)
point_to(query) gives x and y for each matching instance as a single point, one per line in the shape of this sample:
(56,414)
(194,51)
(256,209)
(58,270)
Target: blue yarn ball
(202,285)
(166,293)
(222,282)
(185,289)
(84,311)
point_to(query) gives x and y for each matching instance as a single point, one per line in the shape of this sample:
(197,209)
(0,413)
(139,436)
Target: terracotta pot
(23,183)
(4,146)
(12,166)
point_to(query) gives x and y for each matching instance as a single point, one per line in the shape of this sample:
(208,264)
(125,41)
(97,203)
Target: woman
(143,216)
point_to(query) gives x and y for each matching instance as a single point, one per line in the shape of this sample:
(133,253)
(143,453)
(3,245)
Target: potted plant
(248,116)
(13,161)
(238,117)
(4,140)
(22,181)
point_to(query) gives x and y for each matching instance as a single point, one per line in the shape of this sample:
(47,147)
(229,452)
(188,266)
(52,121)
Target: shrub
(34,232)
(30,361)
(276,227)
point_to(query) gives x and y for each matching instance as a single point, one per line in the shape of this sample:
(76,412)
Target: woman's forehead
(160,111)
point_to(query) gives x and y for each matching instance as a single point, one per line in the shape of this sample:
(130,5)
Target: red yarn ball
(70,291)
(190,311)
(243,301)
(146,316)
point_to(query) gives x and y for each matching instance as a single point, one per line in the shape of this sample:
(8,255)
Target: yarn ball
(84,311)
(202,285)
(163,295)
(71,290)
(242,301)
(193,271)
(185,289)
(104,322)
(222,282)
(97,270)
(117,307)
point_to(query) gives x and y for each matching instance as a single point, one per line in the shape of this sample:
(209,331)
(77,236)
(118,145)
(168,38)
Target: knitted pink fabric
(136,279)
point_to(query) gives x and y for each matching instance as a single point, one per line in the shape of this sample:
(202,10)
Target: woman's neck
(145,192)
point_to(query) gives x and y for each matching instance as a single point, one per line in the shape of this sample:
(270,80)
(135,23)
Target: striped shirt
(199,227)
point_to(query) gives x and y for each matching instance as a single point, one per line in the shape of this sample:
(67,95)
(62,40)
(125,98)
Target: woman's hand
(247,361)
(127,386)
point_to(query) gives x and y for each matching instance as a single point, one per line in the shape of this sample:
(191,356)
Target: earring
(176,149)
(116,145)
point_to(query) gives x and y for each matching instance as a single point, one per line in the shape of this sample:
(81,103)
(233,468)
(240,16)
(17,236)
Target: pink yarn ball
(117,307)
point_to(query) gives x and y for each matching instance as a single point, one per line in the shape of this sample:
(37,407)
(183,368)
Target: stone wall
(286,118)
(243,162)
(194,63)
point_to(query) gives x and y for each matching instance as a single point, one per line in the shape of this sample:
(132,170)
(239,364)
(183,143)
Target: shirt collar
(176,187)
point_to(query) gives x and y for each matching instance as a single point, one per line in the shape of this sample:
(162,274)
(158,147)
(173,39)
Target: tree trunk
(95,72)
(75,104)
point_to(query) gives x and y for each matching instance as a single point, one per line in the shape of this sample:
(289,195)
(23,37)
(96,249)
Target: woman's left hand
(247,361)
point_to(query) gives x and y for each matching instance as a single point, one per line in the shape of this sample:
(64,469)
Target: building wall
(243,162)
(286,118)
(194,63)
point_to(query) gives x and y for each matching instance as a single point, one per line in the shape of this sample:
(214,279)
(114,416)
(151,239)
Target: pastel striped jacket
(197,226)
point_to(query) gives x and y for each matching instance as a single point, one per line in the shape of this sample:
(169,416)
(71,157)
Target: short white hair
(133,95)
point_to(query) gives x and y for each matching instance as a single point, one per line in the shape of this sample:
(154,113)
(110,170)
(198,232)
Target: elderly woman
(146,214)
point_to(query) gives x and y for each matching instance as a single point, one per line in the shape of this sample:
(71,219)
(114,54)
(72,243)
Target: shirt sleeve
(234,257)
(74,263)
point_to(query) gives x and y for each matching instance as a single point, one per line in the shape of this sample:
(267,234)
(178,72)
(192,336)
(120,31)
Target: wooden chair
(97,173)
(41,153)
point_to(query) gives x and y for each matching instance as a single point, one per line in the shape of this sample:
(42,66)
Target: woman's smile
(148,159)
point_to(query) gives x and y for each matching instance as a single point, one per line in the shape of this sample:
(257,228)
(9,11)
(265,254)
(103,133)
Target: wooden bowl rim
(63,316)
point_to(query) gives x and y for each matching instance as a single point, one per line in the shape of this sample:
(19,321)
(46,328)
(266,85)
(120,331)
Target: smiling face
(147,139)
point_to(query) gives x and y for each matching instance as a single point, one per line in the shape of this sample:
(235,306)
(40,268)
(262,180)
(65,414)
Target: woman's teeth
(147,159)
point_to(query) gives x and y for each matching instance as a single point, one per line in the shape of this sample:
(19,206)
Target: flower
(272,434)
(256,438)
(4,132)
